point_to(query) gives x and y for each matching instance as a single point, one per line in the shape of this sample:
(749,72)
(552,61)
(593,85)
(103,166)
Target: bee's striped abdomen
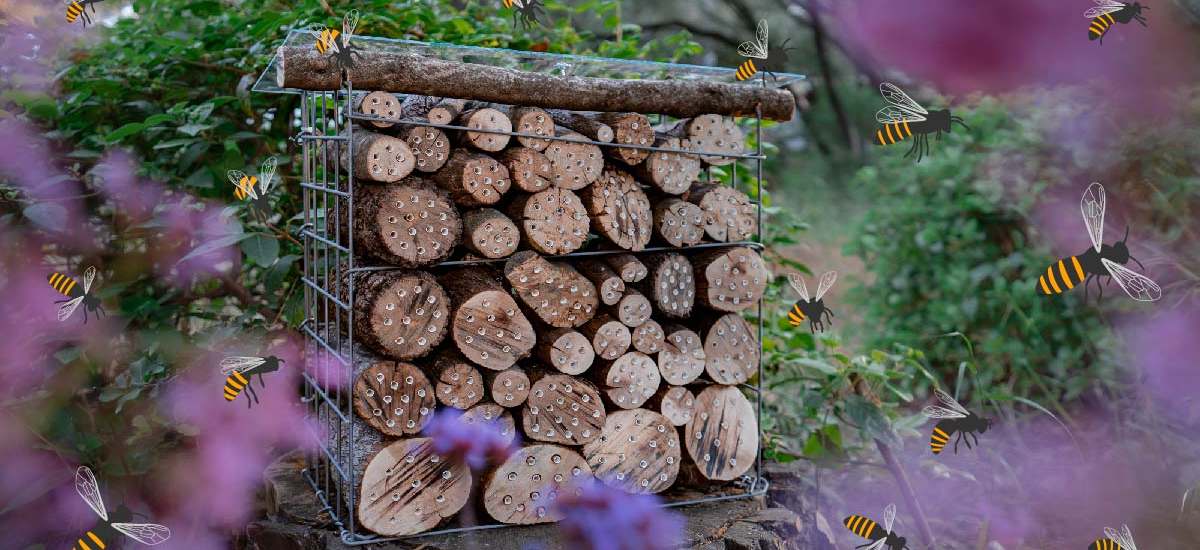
(62,284)
(508,3)
(73,11)
(892,132)
(326,39)
(746,70)
(1100,25)
(234,384)
(247,182)
(938,440)
(1061,277)
(96,543)
(1105,544)
(795,316)
(863,526)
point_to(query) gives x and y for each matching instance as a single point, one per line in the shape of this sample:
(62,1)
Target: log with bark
(407,488)
(609,337)
(411,224)
(682,359)
(553,221)
(529,169)
(304,68)
(629,129)
(489,233)
(525,488)
(722,437)
(710,133)
(648,337)
(555,292)
(429,145)
(377,157)
(629,380)
(678,222)
(607,281)
(459,383)
(620,210)
(487,119)
(676,403)
(487,326)
(628,266)
(439,110)
(562,409)
(394,397)
(633,309)
(500,418)
(668,171)
(509,387)
(730,279)
(400,314)
(671,284)
(567,350)
(382,105)
(574,164)
(586,125)
(731,350)
(729,215)
(638,451)
(530,120)
(473,179)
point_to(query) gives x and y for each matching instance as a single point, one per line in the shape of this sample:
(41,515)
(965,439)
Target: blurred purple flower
(1165,347)
(477,443)
(600,517)
(117,178)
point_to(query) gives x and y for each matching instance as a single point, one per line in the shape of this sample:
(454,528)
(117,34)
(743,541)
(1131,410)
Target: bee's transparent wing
(230,364)
(889,114)
(933,411)
(65,310)
(1093,205)
(89,277)
(236,177)
(950,402)
(1122,537)
(877,545)
(826,283)
(86,486)
(266,173)
(1137,286)
(758,48)
(894,95)
(349,22)
(798,285)
(145,533)
(519,3)
(1093,13)
(889,517)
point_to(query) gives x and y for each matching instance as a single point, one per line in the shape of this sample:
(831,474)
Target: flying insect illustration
(106,532)
(530,12)
(244,186)
(953,418)
(904,118)
(239,371)
(881,536)
(773,58)
(77,9)
(1108,13)
(1101,260)
(1115,540)
(330,40)
(68,287)
(812,309)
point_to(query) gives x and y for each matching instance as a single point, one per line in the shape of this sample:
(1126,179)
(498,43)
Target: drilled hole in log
(678,222)
(408,489)
(610,339)
(525,489)
(620,210)
(648,337)
(509,387)
(730,279)
(394,398)
(489,233)
(638,452)
(558,294)
(575,165)
(629,380)
(530,170)
(722,437)
(730,350)
(563,409)
(569,351)
(553,221)
(682,358)
(729,216)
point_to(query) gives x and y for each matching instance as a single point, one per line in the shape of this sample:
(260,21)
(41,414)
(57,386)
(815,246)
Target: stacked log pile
(620,365)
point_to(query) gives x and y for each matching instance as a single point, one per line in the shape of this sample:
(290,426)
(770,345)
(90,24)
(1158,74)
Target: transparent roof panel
(545,63)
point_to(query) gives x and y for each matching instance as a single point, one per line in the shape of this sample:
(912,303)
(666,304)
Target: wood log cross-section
(714,134)
(575,164)
(489,233)
(607,281)
(669,171)
(729,216)
(498,416)
(676,403)
(401,314)
(558,294)
(529,169)
(408,489)
(429,145)
(638,452)
(485,119)
(722,437)
(382,105)
(609,337)
(671,284)
(525,488)
(378,157)
(487,326)
(531,120)
(730,279)
(567,350)
(629,129)
(473,179)
(629,380)
(509,387)
(394,398)
(681,360)
(553,221)
(563,409)
(459,384)
(620,210)
(410,224)
(633,309)
(678,222)
(648,337)
(731,350)
(587,125)
(628,266)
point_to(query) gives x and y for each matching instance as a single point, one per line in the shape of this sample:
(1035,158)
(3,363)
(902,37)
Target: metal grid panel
(329,261)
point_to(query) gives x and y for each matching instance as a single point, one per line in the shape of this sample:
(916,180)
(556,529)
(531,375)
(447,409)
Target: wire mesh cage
(330,262)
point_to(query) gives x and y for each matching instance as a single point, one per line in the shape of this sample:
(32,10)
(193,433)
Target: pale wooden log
(610,339)
(711,133)
(473,179)
(671,284)
(487,326)
(575,420)
(678,222)
(411,224)
(638,452)
(648,337)
(676,403)
(525,488)
(430,146)
(302,67)
(530,120)
(552,221)
(394,397)
(568,351)
(378,157)
(409,489)
(586,125)
(529,169)
(629,129)
(574,164)
(380,104)
(558,294)
(619,209)
(489,233)
(459,383)
(609,283)
(669,172)
(402,315)
(730,350)
(729,215)
(484,119)
(730,279)
(682,359)
(722,437)
(628,266)
(509,387)
(633,309)
(438,110)
(629,380)
(500,418)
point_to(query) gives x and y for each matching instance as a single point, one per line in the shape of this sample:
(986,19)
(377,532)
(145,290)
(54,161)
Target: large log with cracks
(407,488)
(487,326)
(730,279)
(566,350)
(401,314)
(553,221)
(489,233)
(394,397)
(459,384)
(682,359)
(722,437)
(554,291)
(562,409)
(638,451)
(671,284)
(729,216)
(525,488)
(619,209)
(629,380)
(304,68)
(670,172)
(410,224)
(730,350)
(473,179)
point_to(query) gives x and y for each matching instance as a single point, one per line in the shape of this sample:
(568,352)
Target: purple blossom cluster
(476,443)
(603,518)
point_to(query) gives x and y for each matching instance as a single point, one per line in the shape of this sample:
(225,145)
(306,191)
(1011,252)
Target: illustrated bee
(881,537)
(75,296)
(955,418)
(529,11)
(1110,12)
(1114,540)
(1101,260)
(814,310)
(330,40)
(105,532)
(77,8)
(243,185)
(905,118)
(774,59)
(239,371)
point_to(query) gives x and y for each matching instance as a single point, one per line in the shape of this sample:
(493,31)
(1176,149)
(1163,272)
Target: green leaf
(215,244)
(193,129)
(124,131)
(261,249)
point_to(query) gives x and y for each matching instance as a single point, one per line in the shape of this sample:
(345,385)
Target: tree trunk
(553,221)
(620,210)
(729,216)
(575,420)
(489,233)
(488,327)
(524,490)
(558,294)
(473,179)
(730,279)
(722,437)
(392,226)
(394,398)
(567,350)
(638,452)
(730,350)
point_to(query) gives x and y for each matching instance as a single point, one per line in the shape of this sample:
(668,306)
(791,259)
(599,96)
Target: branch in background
(826,68)
(695,30)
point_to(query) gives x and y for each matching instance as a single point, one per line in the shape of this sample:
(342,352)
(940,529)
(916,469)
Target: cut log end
(411,224)
(638,452)
(630,380)
(473,179)
(681,360)
(488,327)
(609,337)
(569,351)
(668,171)
(620,210)
(608,282)
(678,223)
(430,146)
(525,489)
(563,409)
(586,125)
(633,309)
(409,489)
(558,294)
(676,403)
(731,350)
(446,110)
(500,418)
(486,119)
(722,437)
(729,216)
(732,279)
(529,169)
(714,134)
(489,233)
(394,398)
(459,384)
(628,266)
(648,337)
(553,221)
(509,387)
(531,120)
(377,157)
(671,284)
(629,129)
(403,315)
(575,165)
(382,105)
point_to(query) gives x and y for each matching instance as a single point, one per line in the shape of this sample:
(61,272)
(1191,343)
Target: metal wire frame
(328,269)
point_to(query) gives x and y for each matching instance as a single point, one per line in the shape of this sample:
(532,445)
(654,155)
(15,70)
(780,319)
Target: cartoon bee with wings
(772,59)
(530,12)
(953,418)
(1108,13)
(904,118)
(814,309)
(244,186)
(67,286)
(1114,540)
(1099,261)
(330,40)
(107,530)
(881,535)
(240,371)
(77,10)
